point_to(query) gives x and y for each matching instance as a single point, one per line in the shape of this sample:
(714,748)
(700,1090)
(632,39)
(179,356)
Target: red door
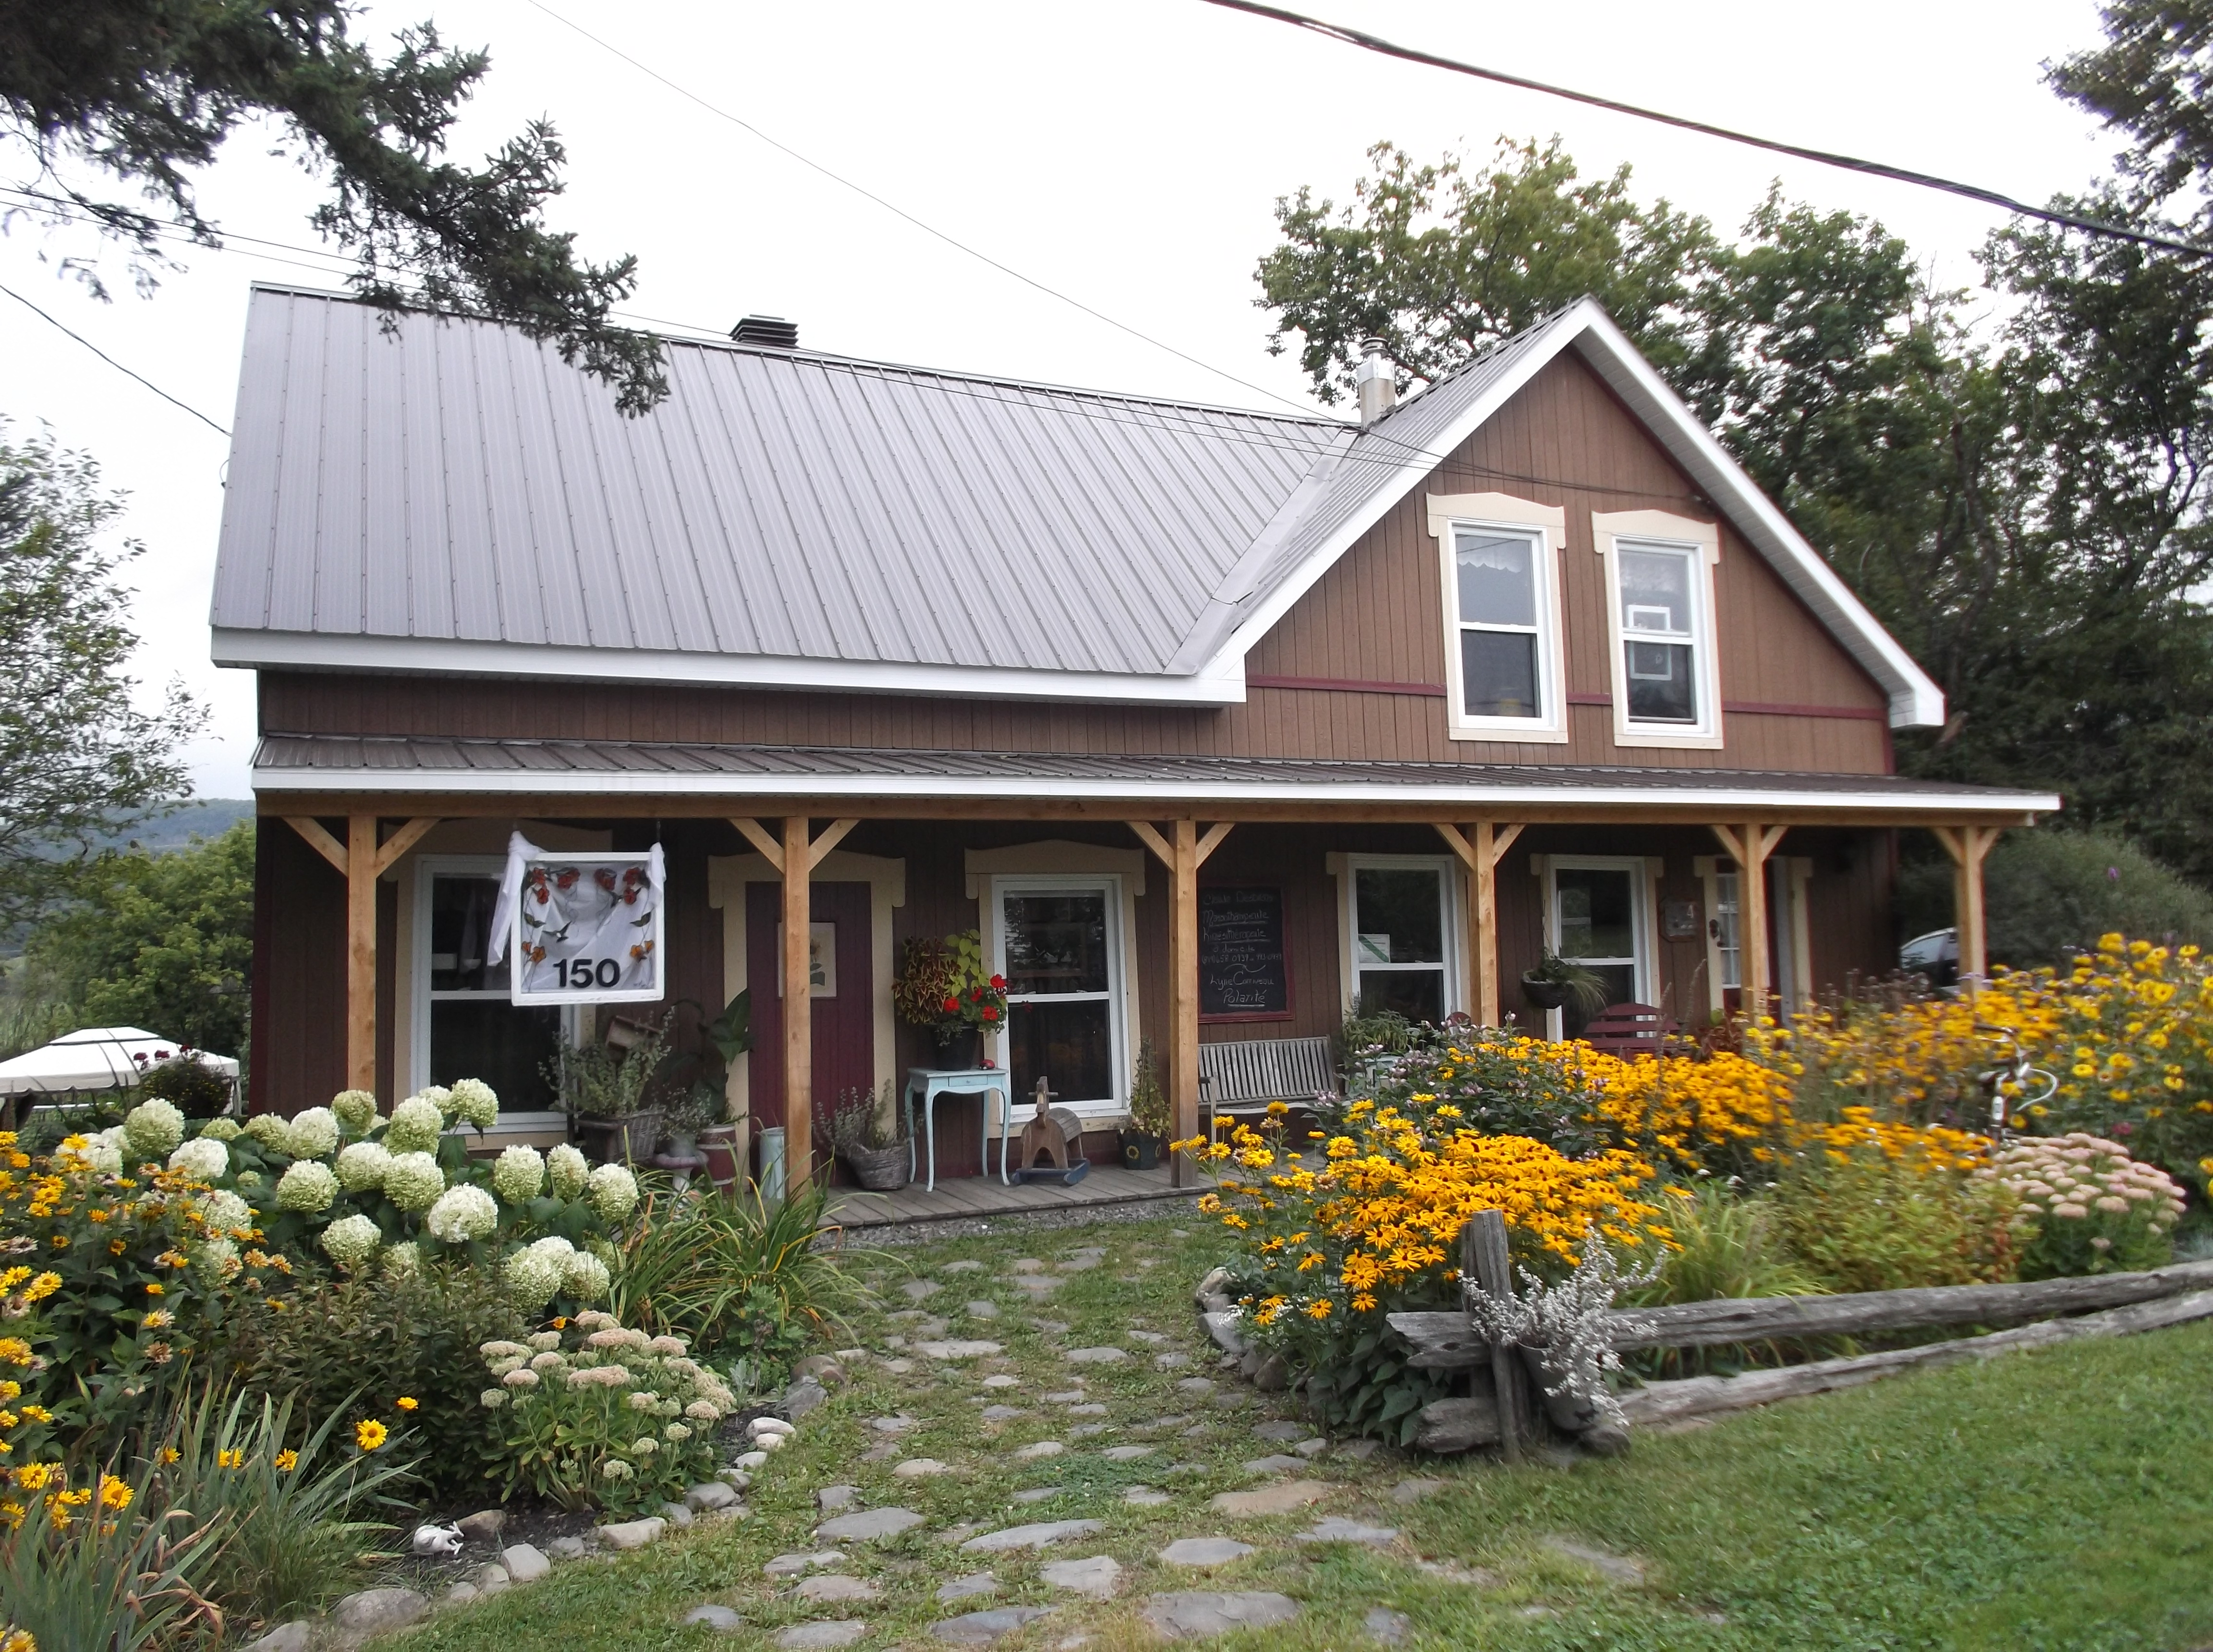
(844,1022)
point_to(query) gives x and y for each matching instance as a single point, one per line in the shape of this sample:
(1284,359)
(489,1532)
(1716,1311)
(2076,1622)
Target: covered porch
(1170,902)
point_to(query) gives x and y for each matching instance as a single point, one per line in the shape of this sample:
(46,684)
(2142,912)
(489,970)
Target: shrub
(357,1342)
(293,1508)
(739,1277)
(1870,1205)
(596,1413)
(2051,893)
(2087,1207)
(1724,1244)
(198,1090)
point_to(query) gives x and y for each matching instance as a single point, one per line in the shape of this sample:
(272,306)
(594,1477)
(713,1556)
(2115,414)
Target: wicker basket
(880,1169)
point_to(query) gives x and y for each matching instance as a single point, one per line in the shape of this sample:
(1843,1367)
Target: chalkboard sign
(1242,972)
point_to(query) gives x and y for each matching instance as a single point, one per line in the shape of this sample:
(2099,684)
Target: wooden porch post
(1968,846)
(1183,854)
(798,1006)
(1480,849)
(1749,846)
(361,862)
(796,857)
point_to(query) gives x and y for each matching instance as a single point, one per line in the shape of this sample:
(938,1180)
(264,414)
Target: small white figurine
(443,1542)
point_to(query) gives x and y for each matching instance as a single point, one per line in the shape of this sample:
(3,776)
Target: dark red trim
(1576,698)
(1765,709)
(1349,686)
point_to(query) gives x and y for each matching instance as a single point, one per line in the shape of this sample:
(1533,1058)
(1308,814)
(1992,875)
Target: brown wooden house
(1234,717)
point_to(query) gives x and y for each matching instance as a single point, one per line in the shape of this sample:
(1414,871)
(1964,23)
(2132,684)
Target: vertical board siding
(298,1038)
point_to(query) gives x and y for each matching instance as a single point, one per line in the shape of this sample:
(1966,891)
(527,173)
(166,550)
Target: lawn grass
(2061,1499)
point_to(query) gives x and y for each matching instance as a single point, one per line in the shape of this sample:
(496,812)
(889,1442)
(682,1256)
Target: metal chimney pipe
(1373,380)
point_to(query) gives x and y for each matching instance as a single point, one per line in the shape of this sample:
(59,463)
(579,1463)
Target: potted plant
(943,985)
(1146,1139)
(1557,981)
(731,1034)
(603,1087)
(699,1107)
(865,1133)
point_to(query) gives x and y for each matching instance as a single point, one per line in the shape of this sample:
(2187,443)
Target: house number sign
(584,929)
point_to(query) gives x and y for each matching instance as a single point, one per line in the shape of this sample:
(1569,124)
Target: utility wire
(1376,43)
(929,229)
(113,363)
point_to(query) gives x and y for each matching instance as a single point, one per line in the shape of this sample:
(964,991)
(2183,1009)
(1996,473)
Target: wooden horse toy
(1045,1143)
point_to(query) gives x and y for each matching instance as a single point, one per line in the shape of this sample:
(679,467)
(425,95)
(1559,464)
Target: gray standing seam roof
(450,479)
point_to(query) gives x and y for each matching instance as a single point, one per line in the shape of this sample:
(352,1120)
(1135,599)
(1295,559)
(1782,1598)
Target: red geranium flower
(951,1005)
(998,984)
(990,1015)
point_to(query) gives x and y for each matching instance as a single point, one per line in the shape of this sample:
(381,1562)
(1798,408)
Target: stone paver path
(1201,1614)
(1036,1535)
(1204,1552)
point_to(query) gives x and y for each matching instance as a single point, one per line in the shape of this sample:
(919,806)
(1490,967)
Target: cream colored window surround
(1546,527)
(1610,532)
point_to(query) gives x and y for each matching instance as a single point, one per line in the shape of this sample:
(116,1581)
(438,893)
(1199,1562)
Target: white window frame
(575,1017)
(1644,922)
(1450,893)
(1107,884)
(1711,875)
(1663,531)
(1791,965)
(1503,513)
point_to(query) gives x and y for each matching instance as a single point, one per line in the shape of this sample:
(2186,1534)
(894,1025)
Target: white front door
(1058,943)
(1598,920)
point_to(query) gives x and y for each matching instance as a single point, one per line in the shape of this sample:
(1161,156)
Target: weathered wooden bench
(1628,1030)
(1246,1075)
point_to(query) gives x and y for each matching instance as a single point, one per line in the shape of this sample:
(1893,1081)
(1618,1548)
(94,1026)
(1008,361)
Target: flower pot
(720,1144)
(960,1049)
(1545,995)
(1141,1151)
(881,1169)
(632,1137)
(681,1145)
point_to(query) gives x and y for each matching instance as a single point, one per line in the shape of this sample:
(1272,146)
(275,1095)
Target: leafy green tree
(162,942)
(147,91)
(78,757)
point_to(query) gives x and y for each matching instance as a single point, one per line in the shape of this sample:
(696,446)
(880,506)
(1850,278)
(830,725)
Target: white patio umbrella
(95,1058)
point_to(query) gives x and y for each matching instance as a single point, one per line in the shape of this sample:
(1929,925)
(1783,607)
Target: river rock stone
(482,1526)
(802,1397)
(296,1636)
(1413,1490)
(957,1350)
(526,1562)
(1099,1356)
(967,1267)
(898,1424)
(982,1628)
(1389,1627)
(1204,1552)
(806,1637)
(868,1525)
(791,1565)
(371,1613)
(1278,1464)
(920,1468)
(1034,1536)
(567,1548)
(1335,1529)
(1198,1613)
(1096,1577)
(916,1290)
(1040,1449)
(710,1495)
(830,1499)
(1089,1408)
(967,1588)
(719,1618)
(676,1514)
(835,1586)
(1310,1448)
(1001,1413)
(1196,1385)
(1286,1497)
(1001,1380)
(1144,1496)
(1127,1454)
(1039,1494)
(1278,1431)
(983,1309)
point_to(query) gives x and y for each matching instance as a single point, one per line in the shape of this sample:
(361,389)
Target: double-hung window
(1500,581)
(1660,594)
(1400,934)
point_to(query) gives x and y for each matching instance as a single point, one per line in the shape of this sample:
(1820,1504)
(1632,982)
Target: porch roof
(494,768)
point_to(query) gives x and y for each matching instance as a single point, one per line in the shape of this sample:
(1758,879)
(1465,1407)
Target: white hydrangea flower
(473,1102)
(463,1213)
(586,1279)
(101,1161)
(271,1130)
(351,1240)
(532,1277)
(439,1097)
(518,1173)
(413,1181)
(355,1110)
(220,1130)
(568,1170)
(403,1260)
(219,1255)
(153,1128)
(555,1246)
(613,1193)
(201,1159)
(307,1185)
(312,1134)
(362,1165)
(416,1123)
(225,1211)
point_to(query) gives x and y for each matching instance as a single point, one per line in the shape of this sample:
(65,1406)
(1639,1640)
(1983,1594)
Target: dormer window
(1660,594)
(1501,588)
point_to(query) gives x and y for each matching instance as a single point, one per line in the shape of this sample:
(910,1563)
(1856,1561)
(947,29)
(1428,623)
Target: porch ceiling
(487,775)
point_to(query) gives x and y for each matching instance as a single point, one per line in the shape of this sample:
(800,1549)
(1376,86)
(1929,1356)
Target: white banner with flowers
(584,929)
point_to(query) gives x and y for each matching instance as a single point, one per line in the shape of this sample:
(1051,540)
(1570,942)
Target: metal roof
(449,479)
(356,763)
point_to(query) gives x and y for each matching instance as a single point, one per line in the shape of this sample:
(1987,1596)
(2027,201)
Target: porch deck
(966,1198)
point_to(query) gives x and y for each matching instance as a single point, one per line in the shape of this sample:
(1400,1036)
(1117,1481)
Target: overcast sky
(1127,155)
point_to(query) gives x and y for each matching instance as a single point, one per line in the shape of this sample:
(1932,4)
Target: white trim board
(1653,791)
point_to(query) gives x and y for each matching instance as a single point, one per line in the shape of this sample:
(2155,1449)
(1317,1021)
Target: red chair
(1629,1030)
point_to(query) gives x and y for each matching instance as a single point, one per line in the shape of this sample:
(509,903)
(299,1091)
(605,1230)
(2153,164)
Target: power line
(929,229)
(113,363)
(1368,42)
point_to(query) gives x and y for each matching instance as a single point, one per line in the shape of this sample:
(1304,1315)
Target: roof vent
(1375,381)
(770,331)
